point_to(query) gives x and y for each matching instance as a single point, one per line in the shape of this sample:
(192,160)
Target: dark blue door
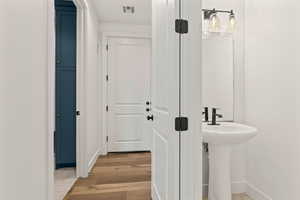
(65,135)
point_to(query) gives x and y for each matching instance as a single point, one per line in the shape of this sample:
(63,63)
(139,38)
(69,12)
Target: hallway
(118,176)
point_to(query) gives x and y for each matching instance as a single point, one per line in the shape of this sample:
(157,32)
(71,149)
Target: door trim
(81,167)
(51,98)
(81,162)
(105,38)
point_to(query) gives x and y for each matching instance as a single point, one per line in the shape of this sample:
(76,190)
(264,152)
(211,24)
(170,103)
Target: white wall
(238,155)
(93,88)
(23,100)
(273,97)
(125,28)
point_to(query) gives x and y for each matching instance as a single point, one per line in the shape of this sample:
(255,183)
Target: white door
(176,91)
(129,71)
(165,102)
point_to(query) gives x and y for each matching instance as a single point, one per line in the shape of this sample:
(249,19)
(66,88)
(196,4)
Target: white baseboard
(154,193)
(255,193)
(237,187)
(93,160)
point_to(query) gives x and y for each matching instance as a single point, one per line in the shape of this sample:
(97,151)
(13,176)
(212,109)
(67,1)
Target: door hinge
(106,108)
(107,47)
(106,77)
(77,113)
(181,26)
(106,138)
(181,123)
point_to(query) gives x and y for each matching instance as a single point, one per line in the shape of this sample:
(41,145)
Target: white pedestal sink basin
(220,139)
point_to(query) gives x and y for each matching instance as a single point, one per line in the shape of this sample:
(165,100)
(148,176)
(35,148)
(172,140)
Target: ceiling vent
(128,9)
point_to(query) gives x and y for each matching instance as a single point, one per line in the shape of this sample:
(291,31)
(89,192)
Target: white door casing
(129,71)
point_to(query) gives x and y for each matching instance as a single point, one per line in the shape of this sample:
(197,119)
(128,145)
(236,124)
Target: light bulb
(214,24)
(232,22)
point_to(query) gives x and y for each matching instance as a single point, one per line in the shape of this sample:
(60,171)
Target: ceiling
(112,11)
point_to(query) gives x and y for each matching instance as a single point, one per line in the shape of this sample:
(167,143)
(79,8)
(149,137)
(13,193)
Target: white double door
(175,92)
(176,83)
(129,94)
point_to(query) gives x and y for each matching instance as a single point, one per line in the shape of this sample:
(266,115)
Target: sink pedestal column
(219,172)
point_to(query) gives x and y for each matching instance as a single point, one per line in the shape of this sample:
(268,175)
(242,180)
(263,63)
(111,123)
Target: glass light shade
(232,23)
(214,23)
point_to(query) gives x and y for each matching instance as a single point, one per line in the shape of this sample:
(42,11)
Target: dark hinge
(106,108)
(181,123)
(107,47)
(181,26)
(106,138)
(78,113)
(106,77)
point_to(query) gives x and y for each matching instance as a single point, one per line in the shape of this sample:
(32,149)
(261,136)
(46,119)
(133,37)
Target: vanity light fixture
(212,21)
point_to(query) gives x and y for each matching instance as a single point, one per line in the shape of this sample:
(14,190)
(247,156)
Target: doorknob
(150,117)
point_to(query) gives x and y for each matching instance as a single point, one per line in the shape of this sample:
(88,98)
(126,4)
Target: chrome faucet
(215,116)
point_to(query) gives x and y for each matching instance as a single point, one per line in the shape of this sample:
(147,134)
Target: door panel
(132,123)
(65,100)
(160,163)
(165,102)
(129,64)
(66,37)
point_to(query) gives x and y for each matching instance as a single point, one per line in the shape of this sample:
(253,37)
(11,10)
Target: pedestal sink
(220,139)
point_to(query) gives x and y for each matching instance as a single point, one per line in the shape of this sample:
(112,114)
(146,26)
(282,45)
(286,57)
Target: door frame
(81,167)
(81,164)
(105,38)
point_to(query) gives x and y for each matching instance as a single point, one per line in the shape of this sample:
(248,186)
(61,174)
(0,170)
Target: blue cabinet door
(65,90)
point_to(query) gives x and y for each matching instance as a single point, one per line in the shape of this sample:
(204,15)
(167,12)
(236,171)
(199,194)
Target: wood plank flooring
(116,177)
(119,176)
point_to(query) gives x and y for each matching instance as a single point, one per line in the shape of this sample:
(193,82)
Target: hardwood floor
(119,176)
(116,177)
